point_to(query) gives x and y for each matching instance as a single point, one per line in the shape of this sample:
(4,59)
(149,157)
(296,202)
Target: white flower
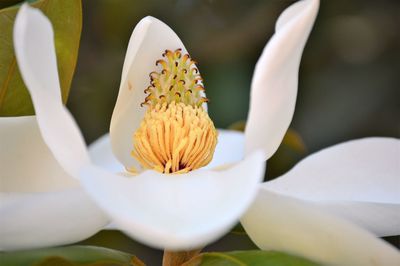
(189,210)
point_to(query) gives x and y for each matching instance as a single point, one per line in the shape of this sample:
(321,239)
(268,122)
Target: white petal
(33,220)
(358,180)
(381,219)
(26,163)
(101,154)
(35,54)
(274,84)
(177,211)
(229,149)
(278,222)
(149,40)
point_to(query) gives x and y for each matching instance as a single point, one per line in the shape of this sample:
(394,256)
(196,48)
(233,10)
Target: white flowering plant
(166,177)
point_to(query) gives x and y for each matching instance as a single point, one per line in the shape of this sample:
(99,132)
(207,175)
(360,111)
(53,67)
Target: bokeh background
(348,81)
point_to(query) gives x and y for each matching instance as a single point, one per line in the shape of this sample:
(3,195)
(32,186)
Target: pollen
(175,138)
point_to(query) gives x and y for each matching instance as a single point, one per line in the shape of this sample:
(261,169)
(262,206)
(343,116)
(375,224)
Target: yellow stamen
(175,138)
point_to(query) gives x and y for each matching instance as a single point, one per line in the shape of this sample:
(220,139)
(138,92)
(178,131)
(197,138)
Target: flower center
(176,134)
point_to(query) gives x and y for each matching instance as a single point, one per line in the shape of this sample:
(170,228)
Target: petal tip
(275,79)
(146,21)
(149,20)
(27,10)
(295,10)
(28,17)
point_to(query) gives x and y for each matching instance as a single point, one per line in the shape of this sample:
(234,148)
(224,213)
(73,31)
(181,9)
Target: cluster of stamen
(176,134)
(178,81)
(175,138)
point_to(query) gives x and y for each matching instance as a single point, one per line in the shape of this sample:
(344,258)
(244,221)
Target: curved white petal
(26,163)
(33,220)
(358,180)
(381,219)
(278,222)
(274,84)
(149,40)
(229,149)
(177,211)
(100,152)
(35,54)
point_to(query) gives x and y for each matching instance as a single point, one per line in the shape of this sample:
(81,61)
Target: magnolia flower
(302,212)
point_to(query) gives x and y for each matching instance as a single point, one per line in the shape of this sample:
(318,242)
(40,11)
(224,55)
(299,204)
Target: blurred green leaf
(294,141)
(238,126)
(8,3)
(115,239)
(290,152)
(70,255)
(66,18)
(251,257)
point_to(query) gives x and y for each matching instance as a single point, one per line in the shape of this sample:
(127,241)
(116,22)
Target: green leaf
(290,152)
(251,257)
(66,18)
(69,256)
(238,125)
(8,3)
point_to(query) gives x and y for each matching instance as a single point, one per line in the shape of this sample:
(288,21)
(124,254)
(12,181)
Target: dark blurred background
(349,75)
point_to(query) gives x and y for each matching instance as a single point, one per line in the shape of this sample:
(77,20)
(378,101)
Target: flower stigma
(176,134)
